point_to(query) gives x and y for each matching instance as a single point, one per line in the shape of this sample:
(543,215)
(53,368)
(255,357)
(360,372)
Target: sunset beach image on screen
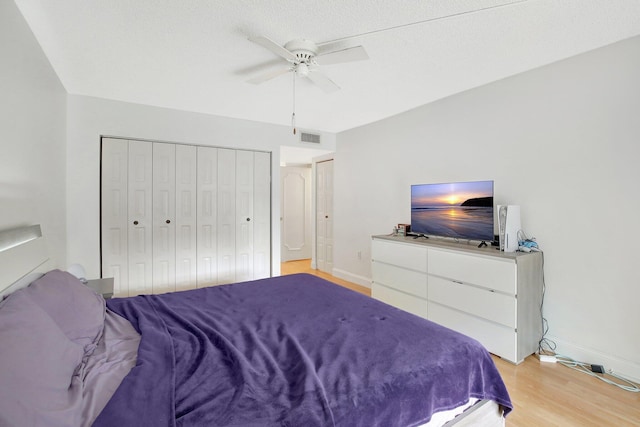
(460,210)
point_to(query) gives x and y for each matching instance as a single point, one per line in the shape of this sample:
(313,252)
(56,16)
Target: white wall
(562,141)
(89,118)
(32,135)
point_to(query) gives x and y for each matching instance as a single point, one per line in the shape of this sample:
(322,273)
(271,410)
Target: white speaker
(508,227)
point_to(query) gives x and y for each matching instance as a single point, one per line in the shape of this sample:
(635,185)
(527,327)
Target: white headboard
(22,253)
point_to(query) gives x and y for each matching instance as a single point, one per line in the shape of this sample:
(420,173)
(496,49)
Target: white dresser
(492,296)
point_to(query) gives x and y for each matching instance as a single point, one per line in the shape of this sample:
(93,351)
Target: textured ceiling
(195,55)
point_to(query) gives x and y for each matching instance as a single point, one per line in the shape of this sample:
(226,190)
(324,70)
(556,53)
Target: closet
(176,217)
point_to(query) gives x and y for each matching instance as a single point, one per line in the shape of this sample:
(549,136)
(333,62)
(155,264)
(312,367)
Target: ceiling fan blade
(324,82)
(262,67)
(273,47)
(349,54)
(268,75)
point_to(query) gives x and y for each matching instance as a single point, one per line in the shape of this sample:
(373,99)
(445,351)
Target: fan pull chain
(293,115)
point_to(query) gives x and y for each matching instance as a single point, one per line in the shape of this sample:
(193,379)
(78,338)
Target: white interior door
(186,222)
(244,215)
(164,214)
(140,215)
(207,217)
(324,216)
(226,216)
(296,212)
(115,153)
(262,215)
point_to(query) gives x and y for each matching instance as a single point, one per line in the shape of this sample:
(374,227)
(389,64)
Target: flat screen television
(459,210)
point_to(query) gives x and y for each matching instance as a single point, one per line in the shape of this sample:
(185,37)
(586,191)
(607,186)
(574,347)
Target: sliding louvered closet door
(243,215)
(261,232)
(186,219)
(207,216)
(139,224)
(176,217)
(252,219)
(163,214)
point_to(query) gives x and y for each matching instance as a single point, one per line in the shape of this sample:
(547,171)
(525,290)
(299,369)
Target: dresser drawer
(401,279)
(400,254)
(483,303)
(406,302)
(498,339)
(491,273)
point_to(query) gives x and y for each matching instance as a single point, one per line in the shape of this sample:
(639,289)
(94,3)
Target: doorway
(308,158)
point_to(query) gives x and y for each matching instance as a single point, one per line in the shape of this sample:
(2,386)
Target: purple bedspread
(292,351)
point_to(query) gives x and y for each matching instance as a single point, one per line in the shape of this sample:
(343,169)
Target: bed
(285,351)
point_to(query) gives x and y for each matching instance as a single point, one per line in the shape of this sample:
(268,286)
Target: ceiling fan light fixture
(302,69)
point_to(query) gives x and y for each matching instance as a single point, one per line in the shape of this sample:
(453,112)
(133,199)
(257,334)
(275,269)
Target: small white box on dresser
(492,296)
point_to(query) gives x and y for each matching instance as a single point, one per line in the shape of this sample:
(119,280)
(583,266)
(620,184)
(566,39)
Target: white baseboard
(623,367)
(353,278)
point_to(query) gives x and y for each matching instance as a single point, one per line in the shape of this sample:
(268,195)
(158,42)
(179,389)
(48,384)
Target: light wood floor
(542,394)
(304,266)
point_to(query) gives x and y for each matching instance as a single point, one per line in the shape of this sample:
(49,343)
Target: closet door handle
(135,222)
(168,221)
(248,219)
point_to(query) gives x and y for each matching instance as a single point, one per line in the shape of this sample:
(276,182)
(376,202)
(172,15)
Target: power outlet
(547,358)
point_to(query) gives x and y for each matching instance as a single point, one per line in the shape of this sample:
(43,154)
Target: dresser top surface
(464,246)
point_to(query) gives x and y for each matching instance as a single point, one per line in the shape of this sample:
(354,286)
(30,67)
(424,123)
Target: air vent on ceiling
(309,137)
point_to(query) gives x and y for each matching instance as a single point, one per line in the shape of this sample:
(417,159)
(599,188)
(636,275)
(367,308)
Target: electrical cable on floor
(545,345)
(548,347)
(598,371)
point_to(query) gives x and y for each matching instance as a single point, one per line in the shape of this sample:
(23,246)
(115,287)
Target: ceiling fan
(305,58)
